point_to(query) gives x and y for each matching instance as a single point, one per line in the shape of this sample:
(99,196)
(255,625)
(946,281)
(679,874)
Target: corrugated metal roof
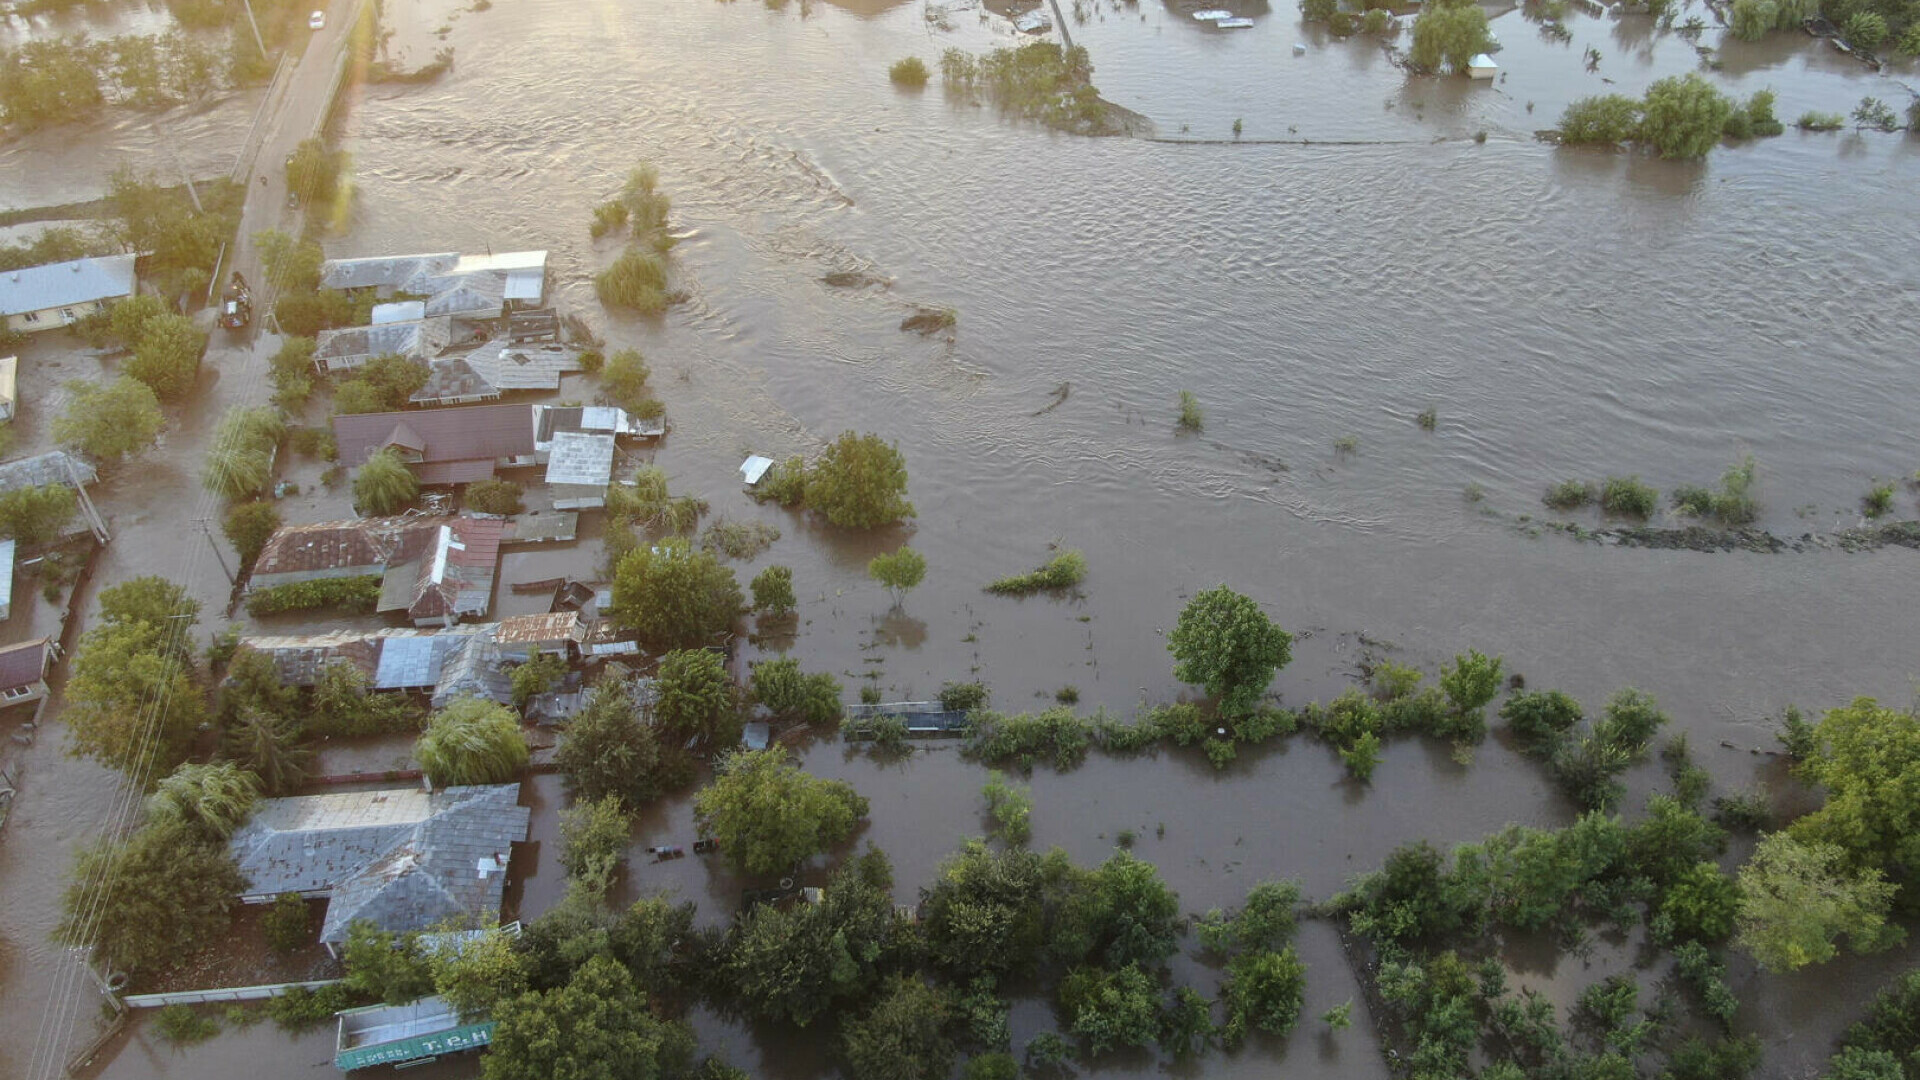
(353,346)
(398,311)
(80,281)
(53,467)
(383,271)
(579,458)
(545,629)
(474,433)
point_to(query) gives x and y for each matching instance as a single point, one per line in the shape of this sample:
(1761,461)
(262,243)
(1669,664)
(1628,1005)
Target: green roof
(400,1034)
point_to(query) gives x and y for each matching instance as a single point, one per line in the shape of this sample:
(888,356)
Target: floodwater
(1356,257)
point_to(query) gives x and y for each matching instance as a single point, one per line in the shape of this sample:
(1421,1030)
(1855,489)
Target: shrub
(1683,116)
(1376,21)
(674,596)
(1878,500)
(535,677)
(1339,24)
(790,694)
(859,482)
(910,72)
(963,697)
(1062,571)
(624,380)
(1010,806)
(494,497)
(1626,496)
(1819,121)
(739,539)
(593,842)
(696,700)
(1056,736)
(359,594)
(637,281)
(36,516)
(1759,111)
(773,590)
(1570,495)
(1866,30)
(1263,990)
(287,923)
(1872,112)
(1751,19)
(1605,119)
(1191,418)
(1910,46)
(313,442)
(785,483)
(384,485)
(808,815)
(1447,34)
(607,217)
(182,1025)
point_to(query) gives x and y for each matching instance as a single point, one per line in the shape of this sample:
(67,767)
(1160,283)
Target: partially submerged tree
(791,694)
(1225,643)
(240,461)
(696,701)
(1798,900)
(109,423)
(773,591)
(768,815)
(472,741)
(1447,34)
(859,482)
(384,485)
(132,703)
(899,571)
(167,355)
(904,1035)
(674,596)
(212,799)
(248,526)
(151,900)
(606,750)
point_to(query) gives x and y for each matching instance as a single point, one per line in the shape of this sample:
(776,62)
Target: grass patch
(1731,504)
(1570,494)
(1191,418)
(1063,571)
(1878,500)
(1627,496)
(739,539)
(1820,121)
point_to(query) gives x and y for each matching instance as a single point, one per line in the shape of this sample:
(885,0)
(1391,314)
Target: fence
(230,993)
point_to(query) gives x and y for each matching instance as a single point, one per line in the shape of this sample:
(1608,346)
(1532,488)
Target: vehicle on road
(317,21)
(236,306)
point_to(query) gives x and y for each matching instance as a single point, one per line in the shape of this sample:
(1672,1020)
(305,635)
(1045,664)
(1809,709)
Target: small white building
(9,385)
(1482,67)
(61,294)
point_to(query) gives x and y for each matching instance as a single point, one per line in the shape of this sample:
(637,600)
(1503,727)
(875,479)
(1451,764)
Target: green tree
(212,799)
(1867,757)
(1470,682)
(385,383)
(988,913)
(1856,1063)
(1262,990)
(899,571)
(131,701)
(624,382)
(1111,1008)
(475,976)
(696,700)
(150,901)
(291,264)
(860,482)
(606,750)
(1010,806)
(248,526)
(240,461)
(673,596)
(1225,643)
(291,369)
(472,741)
(384,485)
(268,745)
(1683,116)
(1702,903)
(1448,33)
(903,1037)
(109,423)
(313,172)
(127,319)
(773,590)
(1866,29)
(1124,915)
(385,965)
(794,964)
(593,842)
(790,694)
(1540,719)
(1798,899)
(768,814)
(37,516)
(494,497)
(167,356)
(287,923)
(536,677)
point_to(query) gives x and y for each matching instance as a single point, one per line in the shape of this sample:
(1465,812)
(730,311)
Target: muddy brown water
(1566,314)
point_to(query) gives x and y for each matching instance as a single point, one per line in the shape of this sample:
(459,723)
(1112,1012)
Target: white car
(317,21)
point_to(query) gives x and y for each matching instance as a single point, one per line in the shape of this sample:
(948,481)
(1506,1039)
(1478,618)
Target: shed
(755,467)
(401,1035)
(9,385)
(23,671)
(1482,67)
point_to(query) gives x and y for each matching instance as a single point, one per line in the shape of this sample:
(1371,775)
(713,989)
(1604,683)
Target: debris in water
(1059,398)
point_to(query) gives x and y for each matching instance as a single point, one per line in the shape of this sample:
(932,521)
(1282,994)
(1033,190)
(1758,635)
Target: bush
(963,697)
(624,381)
(1732,504)
(1751,19)
(1872,112)
(1224,642)
(696,700)
(1010,806)
(182,1025)
(109,423)
(637,281)
(1626,496)
(1540,720)
(1263,990)
(773,590)
(791,695)
(859,482)
(1056,736)
(1878,500)
(1866,30)
(357,594)
(673,596)
(1448,33)
(1607,119)
(1111,1009)
(1570,495)
(1759,112)
(739,539)
(1376,21)
(911,72)
(1683,116)
(769,815)
(1191,418)
(313,442)
(36,516)
(1063,571)
(287,923)
(1318,10)
(495,497)
(1819,121)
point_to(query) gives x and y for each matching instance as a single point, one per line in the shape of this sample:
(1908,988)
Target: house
(1481,66)
(436,569)
(448,283)
(579,468)
(60,294)
(404,859)
(52,467)
(495,368)
(525,636)
(550,420)
(448,663)
(354,346)
(443,446)
(9,385)
(23,671)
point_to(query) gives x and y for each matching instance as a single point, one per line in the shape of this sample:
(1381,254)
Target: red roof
(474,436)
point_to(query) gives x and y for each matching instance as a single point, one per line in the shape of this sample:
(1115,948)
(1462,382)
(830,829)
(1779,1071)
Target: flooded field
(1353,258)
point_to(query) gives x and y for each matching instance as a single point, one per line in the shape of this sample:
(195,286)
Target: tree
(240,461)
(151,900)
(37,516)
(1225,643)
(1868,759)
(1449,33)
(1010,806)
(477,974)
(899,572)
(494,497)
(988,913)
(1540,719)
(109,423)
(383,384)
(624,380)
(131,702)
(860,482)
(167,356)
(268,745)
(535,677)
(1872,112)
(211,799)
(1124,915)
(696,700)
(384,485)
(1263,990)
(472,741)
(127,319)
(1683,116)
(1111,1008)
(1702,903)
(1469,683)
(1866,29)
(248,526)
(790,695)
(1855,1063)
(769,815)
(673,596)
(1798,899)
(593,842)
(292,265)
(606,750)
(773,590)
(794,964)
(385,965)
(313,171)
(287,923)
(903,1037)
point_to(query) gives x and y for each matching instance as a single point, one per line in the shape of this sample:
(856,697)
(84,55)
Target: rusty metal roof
(474,433)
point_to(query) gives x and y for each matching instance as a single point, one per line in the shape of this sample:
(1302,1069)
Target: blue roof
(37,288)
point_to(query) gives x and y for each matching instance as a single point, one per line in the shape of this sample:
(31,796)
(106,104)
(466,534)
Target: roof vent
(75,268)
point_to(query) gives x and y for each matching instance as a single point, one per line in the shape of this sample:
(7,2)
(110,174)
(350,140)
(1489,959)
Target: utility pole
(217,553)
(256,29)
(1061,21)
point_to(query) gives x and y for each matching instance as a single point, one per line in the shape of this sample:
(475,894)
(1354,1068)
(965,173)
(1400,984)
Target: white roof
(579,458)
(399,311)
(1481,60)
(504,262)
(755,467)
(82,281)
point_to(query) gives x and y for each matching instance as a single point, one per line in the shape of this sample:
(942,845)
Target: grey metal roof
(403,858)
(53,467)
(385,271)
(578,458)
(475,669)
(352,346)
(81,281)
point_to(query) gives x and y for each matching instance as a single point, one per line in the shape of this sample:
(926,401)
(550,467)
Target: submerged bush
(1626,496)
(911,71)
(637,281)
(1570,494)
(1607,119)
(1063,571)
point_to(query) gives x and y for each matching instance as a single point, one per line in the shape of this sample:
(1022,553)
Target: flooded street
(1355,258)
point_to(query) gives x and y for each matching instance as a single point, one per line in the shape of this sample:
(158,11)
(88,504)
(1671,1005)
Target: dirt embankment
(1904,534)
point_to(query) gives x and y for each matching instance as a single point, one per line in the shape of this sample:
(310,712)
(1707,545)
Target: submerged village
(382,691)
